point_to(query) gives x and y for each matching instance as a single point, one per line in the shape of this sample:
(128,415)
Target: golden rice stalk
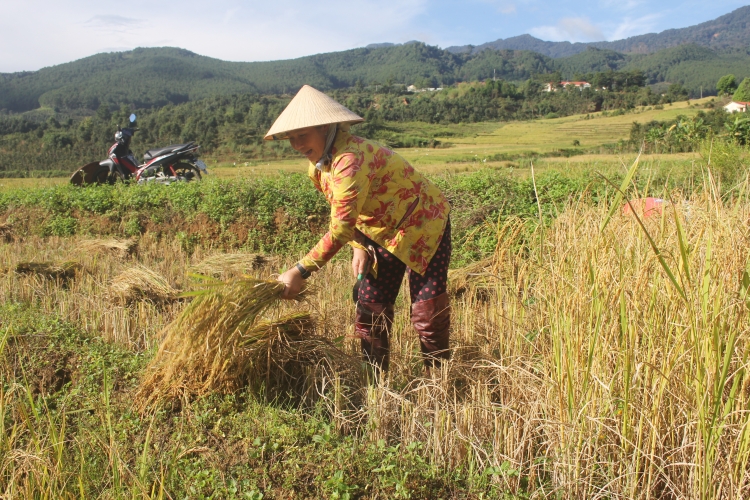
(475,278)
(206,348)
(123,248)
(479,279)
(139,282)
(223,265)
(289,339)
(64,271)
(287,358)
(289,327)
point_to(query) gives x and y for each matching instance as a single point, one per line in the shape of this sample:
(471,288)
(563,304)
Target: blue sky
(39,33)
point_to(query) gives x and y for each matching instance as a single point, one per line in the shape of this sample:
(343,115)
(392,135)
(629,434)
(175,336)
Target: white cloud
(571,29)
(43,33)
(623,4)
(503,6)
(113,21)
(631,27)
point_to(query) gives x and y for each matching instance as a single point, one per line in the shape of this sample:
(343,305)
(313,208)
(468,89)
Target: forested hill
(148,77)
(730,31)
(154,77)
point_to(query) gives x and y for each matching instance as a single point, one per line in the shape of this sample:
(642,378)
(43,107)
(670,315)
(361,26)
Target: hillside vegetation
(154,77)
(730,31)
(49,143)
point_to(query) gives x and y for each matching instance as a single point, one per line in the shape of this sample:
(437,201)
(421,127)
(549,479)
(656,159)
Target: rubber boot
(372,324)
(432,320)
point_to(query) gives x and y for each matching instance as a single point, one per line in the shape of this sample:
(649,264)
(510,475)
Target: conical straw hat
(310,108)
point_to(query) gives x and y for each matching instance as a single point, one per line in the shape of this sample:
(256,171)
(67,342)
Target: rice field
(472,144)
(600,355)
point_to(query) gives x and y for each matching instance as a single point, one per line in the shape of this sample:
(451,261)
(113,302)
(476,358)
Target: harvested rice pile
(224,265)
(474,278)
(141,283)
(288,358)
(123,248)
(63,271)
(212,345)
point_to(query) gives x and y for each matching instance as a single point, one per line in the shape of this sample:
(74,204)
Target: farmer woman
(393,217)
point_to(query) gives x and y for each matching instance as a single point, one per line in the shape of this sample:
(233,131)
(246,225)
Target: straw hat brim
(310,108)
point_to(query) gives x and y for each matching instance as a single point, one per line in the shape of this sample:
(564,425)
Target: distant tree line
(55,143)
(685,134)
(155,77)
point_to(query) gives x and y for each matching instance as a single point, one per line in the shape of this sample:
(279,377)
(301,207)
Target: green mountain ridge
(730,31)
(155,77)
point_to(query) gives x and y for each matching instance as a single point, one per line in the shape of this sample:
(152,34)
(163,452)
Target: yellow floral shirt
(375,192)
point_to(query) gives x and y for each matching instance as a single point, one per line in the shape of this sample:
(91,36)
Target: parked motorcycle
(174,163)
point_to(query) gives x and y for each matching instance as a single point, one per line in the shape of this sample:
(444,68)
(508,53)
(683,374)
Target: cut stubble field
(585,365)
(595,354)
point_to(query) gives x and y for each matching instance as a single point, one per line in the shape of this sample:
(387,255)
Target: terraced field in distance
(473,143)
(469,145)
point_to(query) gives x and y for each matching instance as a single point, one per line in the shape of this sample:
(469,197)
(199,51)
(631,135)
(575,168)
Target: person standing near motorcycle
(120,151)
(396,220)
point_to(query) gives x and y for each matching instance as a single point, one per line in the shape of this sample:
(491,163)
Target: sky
(36,33)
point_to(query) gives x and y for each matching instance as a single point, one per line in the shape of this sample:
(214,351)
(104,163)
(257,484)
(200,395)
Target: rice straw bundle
(223,265)
(290,359)
(289,327)
(290,340)
(139,282)
(123,248)
(208,346)
(63,271)
(475,279)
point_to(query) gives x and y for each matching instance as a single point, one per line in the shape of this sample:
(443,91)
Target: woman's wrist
(303,272)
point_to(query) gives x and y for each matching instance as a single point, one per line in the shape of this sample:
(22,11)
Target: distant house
(412,88)
(734,106)
(551,87)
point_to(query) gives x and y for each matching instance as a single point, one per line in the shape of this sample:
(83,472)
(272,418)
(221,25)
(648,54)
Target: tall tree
(726,85)
(743,91)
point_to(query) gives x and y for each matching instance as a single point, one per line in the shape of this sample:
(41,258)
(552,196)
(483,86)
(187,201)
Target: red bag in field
(646,206)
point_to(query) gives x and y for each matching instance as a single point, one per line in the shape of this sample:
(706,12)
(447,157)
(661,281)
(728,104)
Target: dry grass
(121,248)
(208,347)
(6,232)
(141,283)
(51,270)
(225,265)
(581,364)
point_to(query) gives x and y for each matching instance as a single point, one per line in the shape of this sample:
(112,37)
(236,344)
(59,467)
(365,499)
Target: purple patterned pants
(384,289)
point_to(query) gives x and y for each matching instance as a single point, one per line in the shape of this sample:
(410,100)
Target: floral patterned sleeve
(349,187)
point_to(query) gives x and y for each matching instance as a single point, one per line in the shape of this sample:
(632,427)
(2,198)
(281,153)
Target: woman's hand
(359,262)
(293,282)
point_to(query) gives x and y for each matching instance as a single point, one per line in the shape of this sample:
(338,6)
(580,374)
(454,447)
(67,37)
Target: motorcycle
(174,163)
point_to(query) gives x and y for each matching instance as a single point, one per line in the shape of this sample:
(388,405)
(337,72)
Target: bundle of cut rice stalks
(141,283)
(288,358)
(122,248)
(63,271)
(475,279)
(224,265)
(216,344)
